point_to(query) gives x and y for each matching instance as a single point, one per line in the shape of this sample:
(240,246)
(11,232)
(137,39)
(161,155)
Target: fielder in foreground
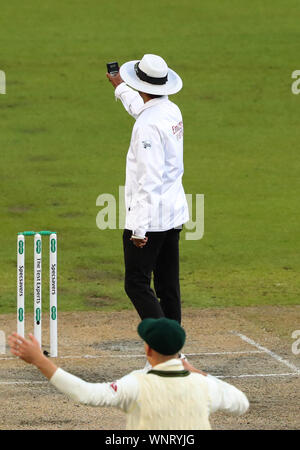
(168,397)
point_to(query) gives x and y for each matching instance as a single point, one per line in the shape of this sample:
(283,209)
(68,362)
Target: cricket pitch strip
(249,347)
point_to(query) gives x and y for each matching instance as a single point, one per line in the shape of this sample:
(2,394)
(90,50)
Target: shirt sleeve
(225,397)
(121,393)
(131,99)
(150,163)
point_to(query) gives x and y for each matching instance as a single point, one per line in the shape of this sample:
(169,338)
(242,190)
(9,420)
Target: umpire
(156,206)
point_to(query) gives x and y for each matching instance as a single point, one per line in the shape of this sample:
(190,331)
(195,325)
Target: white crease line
(143,356)
(262,375)
(257,375)
(269,352)
(224,353)
(22,382)
(102,356)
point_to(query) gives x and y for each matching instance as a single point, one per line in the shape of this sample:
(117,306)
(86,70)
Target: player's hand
(140,243)
(27,349)
(115,79)
(191,368)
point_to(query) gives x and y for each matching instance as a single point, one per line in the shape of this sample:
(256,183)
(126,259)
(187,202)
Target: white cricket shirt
(153,402)
(154,195)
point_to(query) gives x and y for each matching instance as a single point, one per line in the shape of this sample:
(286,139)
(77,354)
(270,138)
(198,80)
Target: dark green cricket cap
(164,335)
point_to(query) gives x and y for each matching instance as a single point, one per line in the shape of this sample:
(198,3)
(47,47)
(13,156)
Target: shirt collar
(171,364)
(153,102)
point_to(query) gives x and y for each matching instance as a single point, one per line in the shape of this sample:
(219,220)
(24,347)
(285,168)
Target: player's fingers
(20,338)
(15,352)
(12,340)
(13,348)
(33,339)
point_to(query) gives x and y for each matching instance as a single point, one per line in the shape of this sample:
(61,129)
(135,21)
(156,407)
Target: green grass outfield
(63,141)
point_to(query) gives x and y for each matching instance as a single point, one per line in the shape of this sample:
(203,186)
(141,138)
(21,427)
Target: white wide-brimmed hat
(151,75)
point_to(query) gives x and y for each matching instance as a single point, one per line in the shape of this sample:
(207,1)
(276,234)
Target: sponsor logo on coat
(146,144)
(114,386)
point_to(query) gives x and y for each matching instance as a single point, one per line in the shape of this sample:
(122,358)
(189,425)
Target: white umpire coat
(154,195)
(153,402)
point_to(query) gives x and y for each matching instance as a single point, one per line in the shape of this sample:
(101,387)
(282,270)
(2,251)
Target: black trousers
(160,256)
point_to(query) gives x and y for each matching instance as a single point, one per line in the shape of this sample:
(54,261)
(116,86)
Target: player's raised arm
(120,393)
(29,350)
